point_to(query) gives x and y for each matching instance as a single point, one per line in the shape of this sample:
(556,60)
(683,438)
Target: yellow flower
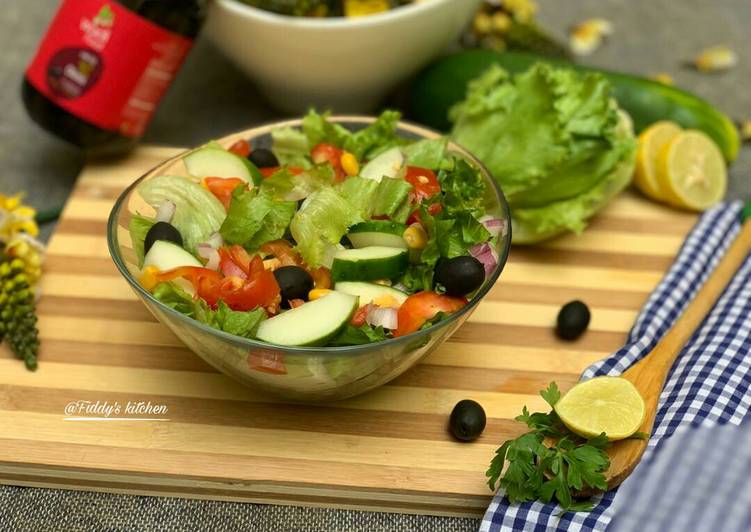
(521,10)
(715,58)
(587,36)
(17,232)
(15,217)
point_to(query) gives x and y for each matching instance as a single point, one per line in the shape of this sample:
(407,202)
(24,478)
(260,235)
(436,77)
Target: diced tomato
(424,182)
(223,187)
(358,318)
(328,153)
(241,148)
(271,170)
(267,362)
(258,289)
(421,307)
(433,209)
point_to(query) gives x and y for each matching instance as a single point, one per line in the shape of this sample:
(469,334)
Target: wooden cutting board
(387,450)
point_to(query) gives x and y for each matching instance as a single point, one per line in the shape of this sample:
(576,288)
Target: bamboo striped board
(387,450)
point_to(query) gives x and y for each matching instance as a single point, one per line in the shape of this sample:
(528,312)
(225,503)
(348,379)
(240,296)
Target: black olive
(294,282)
(263,158)
(460,275)
(467,420)
(573,319)
(162,231)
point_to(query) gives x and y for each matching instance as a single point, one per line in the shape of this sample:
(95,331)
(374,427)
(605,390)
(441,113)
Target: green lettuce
(364,334)
(463,189)
(223,318)
(138,227)
(320,224)
(291,147)
(255,217)
(285,186)
(198,213)
(426,153)
(553,138)
(370,198)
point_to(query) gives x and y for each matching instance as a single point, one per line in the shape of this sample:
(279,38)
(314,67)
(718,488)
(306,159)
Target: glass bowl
(299,373)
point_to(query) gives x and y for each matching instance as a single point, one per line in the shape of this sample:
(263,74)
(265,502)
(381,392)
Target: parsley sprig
(539,472)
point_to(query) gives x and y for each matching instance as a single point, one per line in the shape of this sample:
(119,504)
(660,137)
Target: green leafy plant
(539,470)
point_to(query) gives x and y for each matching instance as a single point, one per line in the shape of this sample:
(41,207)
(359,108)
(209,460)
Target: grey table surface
(210,98)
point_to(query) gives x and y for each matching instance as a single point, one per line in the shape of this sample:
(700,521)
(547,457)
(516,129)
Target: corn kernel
(148,277)
(664,78)
(272,264)
(386,301)
(318,293)
(350,164)
(415,237)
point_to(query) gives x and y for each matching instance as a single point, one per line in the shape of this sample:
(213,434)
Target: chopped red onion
(495,226)
(487,256)
(215,240)
(382,316)
(166,211)
(211,255)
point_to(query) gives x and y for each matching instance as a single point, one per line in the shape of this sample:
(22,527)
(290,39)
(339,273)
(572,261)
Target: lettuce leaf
(138,227)
(239,323)
(463,189)
(426,153)
(285,186)
(254,218)
(352,335)
(317,128)
(175,297)
(368,197)
(320,224)
(291,147)
(376,138)
(548,136)
(198,213)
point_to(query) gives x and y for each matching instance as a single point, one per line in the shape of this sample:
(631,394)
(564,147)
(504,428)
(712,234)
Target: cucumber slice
(368,264)
(378,233)
(311,324)
(215,162)
(367,292)
(386,164)
(165,255)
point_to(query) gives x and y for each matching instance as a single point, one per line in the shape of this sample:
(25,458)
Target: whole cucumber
(442,84)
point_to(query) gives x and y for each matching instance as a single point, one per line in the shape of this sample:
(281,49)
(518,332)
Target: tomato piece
(423,306)
(241,148)
(424,182)
(223,187)
(358,318)
(328,153)
(271,170)
(287,256)
(433,209)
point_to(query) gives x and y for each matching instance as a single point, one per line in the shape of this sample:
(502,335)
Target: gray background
(211,98)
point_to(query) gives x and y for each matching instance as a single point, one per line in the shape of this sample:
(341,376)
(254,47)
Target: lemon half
(604,404)
(651,142)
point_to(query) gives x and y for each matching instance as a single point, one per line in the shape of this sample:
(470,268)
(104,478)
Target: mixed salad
(330,238)
(327,8)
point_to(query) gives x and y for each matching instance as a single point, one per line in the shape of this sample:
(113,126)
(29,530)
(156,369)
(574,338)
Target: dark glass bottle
(104,65)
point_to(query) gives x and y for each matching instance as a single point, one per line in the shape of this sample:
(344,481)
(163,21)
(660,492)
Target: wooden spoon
(650,373)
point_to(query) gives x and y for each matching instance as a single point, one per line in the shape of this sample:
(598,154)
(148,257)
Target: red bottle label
(106,65)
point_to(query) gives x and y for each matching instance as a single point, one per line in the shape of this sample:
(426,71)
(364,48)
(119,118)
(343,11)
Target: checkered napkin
(709,384)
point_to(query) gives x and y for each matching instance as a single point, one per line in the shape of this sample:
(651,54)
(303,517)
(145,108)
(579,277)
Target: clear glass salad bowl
(299,373)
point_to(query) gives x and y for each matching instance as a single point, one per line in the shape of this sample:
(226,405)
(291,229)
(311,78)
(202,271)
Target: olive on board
(294,282)
(573,320)
(467,420)
(263,158)
(460,275)
(162,231)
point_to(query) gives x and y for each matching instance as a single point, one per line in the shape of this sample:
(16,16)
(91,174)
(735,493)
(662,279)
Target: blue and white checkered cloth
(710,383)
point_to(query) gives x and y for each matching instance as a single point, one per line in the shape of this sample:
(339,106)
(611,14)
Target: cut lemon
(604,404)
(651,141)
(691,171)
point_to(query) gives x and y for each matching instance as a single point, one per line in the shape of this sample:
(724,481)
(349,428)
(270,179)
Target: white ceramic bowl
(346,65)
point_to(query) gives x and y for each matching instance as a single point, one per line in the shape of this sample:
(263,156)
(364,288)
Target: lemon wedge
(691,171)
(651,142)
(604,404)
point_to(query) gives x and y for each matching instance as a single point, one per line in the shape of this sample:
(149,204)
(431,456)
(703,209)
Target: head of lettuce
(554,139)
